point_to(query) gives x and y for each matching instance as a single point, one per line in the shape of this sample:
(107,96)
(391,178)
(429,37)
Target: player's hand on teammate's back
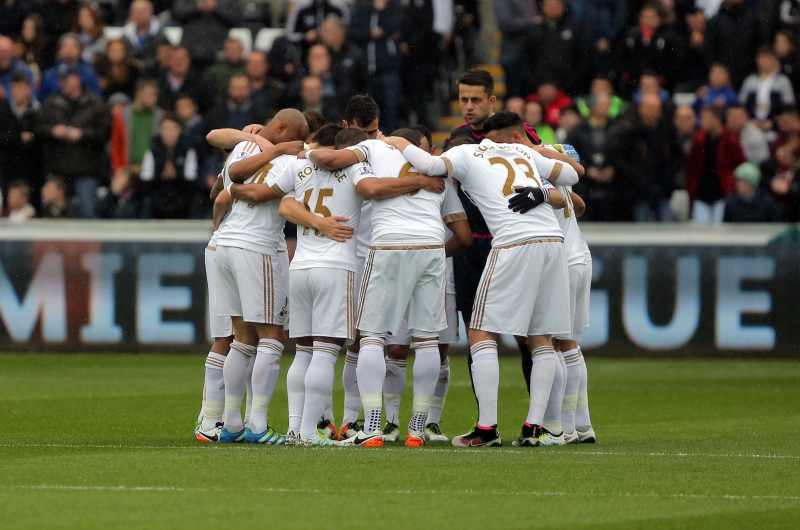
(396,141)
(253,128)
(526,199)
(291,148)
(333,228)
(260,141)
(433,184)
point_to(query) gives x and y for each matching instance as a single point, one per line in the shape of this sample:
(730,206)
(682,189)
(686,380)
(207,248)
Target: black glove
(526,199)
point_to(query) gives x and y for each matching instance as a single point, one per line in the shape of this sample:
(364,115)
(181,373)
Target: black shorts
(468,268)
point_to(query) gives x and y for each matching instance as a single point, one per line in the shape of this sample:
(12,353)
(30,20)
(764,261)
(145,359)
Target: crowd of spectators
(112,124)
(681,109)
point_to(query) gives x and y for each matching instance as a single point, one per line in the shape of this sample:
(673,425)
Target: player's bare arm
(332,227)
(332,159)
(386,188)
(548,152)
(218,186)
(222,204)
(243,169)
(226,139)
(255,193)
(461,239)
(578,203)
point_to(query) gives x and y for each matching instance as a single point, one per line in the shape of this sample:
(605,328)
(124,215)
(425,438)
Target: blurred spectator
(715,154)
(649,83)
(312,98)
(237,109)
(749,204)
(752,139)
(685,122)
(169,168)
(69,58)
(31,45)
(516,105)
(74,124)
(19,148)
(568,121)
(58,17)
(319,65)
(719,92)
(55,204)
(118,151)
(591,138)
(142,32)
(9,66)
(376,26)
(644,154)
(12,13)
(285,61)
(767,91)
(123,199)
(141,122)
(694,63)
(232,62)
(601,86)
(785,15)
(348,62)
(89,30)
(421,48)
(784,184)
(191,122)
(602,22)
(785,48)
(731,37)
(650,46)
(788,129)
(305,18)
(117,70)
(554,50)
(205,26)
(534,116)
(178,79)
(267,93)
(552,99)
(19,208)
(515,18)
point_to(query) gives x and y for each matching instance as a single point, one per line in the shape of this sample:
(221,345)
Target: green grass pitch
(104,442)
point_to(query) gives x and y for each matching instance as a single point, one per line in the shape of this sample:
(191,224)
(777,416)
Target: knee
(397,352)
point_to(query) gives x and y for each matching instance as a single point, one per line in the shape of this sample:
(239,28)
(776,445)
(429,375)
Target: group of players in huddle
(377,221)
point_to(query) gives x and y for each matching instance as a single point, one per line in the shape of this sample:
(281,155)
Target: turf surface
(105,442)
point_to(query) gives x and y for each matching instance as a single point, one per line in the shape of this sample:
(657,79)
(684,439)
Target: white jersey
(324,193)
(576,246)
(408,219)
(363,235)
(254,227)
(489,172)
(452,210)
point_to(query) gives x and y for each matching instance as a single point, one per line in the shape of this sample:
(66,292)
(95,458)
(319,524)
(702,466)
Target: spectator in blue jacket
(69,58)
(10,66)
(719,92)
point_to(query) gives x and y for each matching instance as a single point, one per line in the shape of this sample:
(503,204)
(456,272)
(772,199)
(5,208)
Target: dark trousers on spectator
(515,66)
(85,189)
(386,89)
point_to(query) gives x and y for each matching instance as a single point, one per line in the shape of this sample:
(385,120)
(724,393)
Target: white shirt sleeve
(282,175)
(358,172)
(425,163)
(555,171)
(452,209)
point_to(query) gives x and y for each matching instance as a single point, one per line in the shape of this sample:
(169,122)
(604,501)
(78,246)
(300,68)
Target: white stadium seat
(244,36)
(173,34)
(266,37)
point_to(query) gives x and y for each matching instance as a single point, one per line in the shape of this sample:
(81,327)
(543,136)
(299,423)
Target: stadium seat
(244,36)
(112,32)
(266,37)
(683,98)
(173,34)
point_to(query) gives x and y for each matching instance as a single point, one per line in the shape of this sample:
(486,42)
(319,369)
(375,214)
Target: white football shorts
(580,288)
(218,326)
(322,303)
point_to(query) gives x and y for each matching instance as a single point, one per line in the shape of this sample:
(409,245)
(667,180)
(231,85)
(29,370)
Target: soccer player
(524,287)
(405,272)
(251,252)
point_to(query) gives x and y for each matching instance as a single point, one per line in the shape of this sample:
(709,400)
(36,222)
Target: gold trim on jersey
(405,247)
(212,248)
(277,190)
(449,165)
(359,152)
(533,241)
(555,172)
(453,217)
(364,284)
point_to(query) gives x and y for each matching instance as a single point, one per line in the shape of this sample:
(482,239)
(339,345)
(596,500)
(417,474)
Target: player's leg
(352,397)
(301,306)
(394,384)
(319,388)
(213,390)
(583,423)
(237,365)
(433,431)
(525,358)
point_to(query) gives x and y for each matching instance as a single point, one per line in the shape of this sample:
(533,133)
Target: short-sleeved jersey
(325,193)
(452,210)
(489,172)
(575,244)
(414,218)
(254,227)
(364,230)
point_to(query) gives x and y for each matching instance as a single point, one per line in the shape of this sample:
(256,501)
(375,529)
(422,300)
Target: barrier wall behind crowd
(657,289)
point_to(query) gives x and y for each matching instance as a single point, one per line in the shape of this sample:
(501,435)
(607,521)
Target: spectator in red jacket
(713,157)
(553,100)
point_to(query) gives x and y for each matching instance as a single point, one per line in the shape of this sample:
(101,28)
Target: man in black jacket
(731,38)
(348,64)
(555,49)
(74,126)
(205,26)
(19,145)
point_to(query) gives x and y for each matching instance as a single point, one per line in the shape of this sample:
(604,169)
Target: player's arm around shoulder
(243,168)
(578,203)
(423,162)
(332,159)
(564,178)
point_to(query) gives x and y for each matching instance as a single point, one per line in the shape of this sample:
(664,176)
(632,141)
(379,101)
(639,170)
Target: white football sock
(425,374)
(213,390)
(440,394)
(486,380)
(234,374)
(265,377)
(318,387)
(295,386)
(393,387)
(371,372)
(552,414)
(543,373)
(352,398)
(248,404)
(571,358)
(582,420)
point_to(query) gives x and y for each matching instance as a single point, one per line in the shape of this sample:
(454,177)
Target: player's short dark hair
(455,141)
(326,135)
(349,136)
(361,110)
(476,77)
(424,131)
(502,120)
(315,121)
(413,136)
